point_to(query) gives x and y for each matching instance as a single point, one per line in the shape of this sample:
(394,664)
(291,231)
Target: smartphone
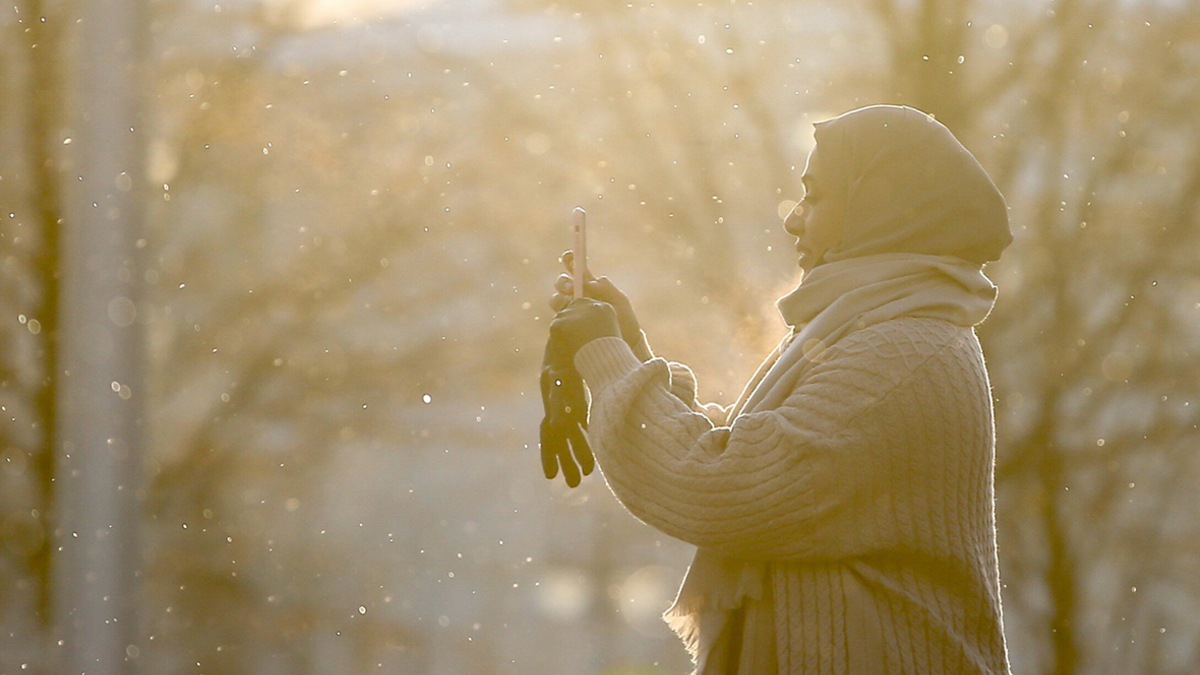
(579,251)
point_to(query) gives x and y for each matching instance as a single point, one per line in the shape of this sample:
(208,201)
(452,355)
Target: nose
(794,223)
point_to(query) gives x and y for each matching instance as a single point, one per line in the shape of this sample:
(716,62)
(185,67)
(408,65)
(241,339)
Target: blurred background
(332,242)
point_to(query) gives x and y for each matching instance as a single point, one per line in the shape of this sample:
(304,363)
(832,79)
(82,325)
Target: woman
(843,507)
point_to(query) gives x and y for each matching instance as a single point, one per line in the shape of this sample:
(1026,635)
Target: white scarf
(836,299)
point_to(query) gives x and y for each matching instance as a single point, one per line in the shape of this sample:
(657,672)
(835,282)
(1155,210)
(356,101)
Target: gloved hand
(562,439)
(565,404)
(604,290)
(579,323)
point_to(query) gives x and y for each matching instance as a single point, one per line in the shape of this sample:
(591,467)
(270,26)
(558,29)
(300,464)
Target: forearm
(752,489)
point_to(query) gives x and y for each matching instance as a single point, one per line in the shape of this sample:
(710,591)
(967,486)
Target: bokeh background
(346,219)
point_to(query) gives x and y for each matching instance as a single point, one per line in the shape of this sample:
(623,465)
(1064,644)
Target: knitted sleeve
(683,382)
(807,480)
(683,387)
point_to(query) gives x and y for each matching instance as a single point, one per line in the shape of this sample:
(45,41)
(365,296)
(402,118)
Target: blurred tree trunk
(45,100)
(926,43)
(99,397)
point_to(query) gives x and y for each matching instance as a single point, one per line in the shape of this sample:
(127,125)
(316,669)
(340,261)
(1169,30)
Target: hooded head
(904,184)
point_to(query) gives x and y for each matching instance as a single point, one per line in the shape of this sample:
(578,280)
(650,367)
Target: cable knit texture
(867,495)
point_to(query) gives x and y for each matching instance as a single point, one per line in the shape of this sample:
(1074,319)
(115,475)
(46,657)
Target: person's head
(892,179)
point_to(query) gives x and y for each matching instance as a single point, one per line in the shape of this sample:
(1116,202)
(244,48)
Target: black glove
(579,323)
(565,403)
(563,395)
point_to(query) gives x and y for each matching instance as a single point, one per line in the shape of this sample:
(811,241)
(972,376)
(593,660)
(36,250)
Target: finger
(569,470)
(549,446)
(602,289)
(568,259)
(564,284)
(559,301)
(583,451)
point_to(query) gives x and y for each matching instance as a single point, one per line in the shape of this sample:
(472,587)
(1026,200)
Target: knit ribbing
(606,359)
(869,493)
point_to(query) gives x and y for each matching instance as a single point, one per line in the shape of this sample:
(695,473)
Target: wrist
(605,360)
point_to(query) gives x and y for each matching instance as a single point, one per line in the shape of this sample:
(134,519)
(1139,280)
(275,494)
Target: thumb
(568,259)
(604,289)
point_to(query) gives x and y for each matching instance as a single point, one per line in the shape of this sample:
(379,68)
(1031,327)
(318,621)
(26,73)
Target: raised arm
(683,380)
(810,479)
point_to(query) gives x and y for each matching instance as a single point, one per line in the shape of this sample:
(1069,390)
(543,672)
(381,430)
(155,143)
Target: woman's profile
(843,507)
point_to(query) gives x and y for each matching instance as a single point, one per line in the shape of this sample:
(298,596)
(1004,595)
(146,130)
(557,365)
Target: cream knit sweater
(868,493)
